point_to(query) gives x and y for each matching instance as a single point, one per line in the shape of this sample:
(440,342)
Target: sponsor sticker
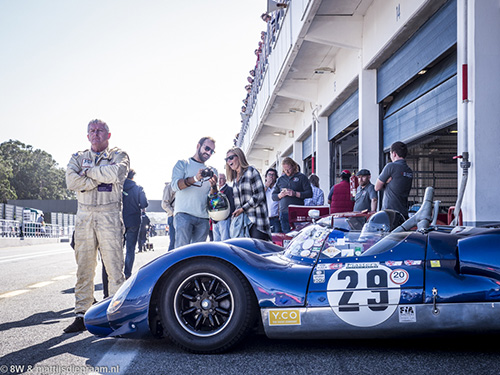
(413,262)
(284,317)
(393,263)
(329,266)
(319,276)
(407,314)
(361,265)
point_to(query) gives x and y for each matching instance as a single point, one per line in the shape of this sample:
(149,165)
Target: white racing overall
(99,224)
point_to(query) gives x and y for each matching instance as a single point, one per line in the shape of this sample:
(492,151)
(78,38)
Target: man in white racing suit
(97,176)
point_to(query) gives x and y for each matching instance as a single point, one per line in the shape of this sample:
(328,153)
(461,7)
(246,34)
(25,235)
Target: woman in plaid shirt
(249,193)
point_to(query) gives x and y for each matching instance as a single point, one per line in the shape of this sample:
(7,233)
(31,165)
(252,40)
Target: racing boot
(76,326)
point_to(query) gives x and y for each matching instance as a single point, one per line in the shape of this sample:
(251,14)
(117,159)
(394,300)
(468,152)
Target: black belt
(273,217)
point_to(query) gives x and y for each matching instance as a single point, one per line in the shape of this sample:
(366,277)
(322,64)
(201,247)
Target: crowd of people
(111,206)
(265,46)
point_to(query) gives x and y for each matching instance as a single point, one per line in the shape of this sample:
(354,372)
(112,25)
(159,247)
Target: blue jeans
(285,224)
(131,235)
(171,232)
(190,229)
(221,230)
(275,224)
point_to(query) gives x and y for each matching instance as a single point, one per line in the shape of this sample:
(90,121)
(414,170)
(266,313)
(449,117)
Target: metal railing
(14,228)
(10,228)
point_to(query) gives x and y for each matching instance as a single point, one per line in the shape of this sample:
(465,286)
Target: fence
(22,222)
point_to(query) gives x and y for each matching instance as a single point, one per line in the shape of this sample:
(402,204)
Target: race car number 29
(363,295)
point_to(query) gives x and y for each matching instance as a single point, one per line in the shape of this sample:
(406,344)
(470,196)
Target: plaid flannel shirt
(250,194)
(318,198)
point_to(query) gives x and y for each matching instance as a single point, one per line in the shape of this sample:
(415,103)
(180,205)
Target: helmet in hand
(218,206)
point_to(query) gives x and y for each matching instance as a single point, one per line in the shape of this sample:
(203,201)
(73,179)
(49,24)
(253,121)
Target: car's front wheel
(207,306)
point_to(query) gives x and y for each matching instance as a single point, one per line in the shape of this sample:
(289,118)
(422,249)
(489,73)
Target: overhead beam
(335,31)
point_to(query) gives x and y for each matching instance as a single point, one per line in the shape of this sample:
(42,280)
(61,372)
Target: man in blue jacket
(134,202)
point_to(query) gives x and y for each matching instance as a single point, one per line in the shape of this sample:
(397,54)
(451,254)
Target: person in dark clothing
(134,202)
(143,231)
(221,228)
(339,198)
(291,188)
(395,180)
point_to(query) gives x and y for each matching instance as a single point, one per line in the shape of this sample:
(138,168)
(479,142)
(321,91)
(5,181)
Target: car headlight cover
(121,295)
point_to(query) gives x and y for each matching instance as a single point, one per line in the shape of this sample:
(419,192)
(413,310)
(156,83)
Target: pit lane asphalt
(32,321)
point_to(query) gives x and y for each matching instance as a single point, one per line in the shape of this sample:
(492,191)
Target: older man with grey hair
(97,176)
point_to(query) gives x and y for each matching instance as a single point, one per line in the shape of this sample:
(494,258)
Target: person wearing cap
(339,197)
(366,196)
(395,180)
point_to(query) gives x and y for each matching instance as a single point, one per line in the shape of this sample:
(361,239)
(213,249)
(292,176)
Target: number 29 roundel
(363,295)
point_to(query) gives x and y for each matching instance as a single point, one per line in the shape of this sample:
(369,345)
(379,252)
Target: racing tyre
(207,306)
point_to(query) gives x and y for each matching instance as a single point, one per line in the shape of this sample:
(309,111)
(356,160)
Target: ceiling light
(323,70)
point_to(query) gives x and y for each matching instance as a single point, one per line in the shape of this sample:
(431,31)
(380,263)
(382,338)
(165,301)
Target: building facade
(341,80)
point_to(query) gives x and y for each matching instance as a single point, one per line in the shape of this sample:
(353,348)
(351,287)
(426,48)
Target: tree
(26,173)
(6,190)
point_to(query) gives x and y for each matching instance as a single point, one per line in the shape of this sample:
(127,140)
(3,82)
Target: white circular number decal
(399,276)
(363,297)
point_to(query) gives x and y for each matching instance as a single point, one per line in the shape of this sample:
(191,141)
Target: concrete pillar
(479,116)
(323,155)
(369,135)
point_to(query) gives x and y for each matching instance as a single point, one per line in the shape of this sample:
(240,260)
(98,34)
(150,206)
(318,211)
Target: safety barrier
(10,228)
(14,228)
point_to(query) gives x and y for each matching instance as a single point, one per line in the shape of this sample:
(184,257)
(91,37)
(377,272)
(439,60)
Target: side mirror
(313,214)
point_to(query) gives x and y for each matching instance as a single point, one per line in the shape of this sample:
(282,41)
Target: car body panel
(331,284)
(275,282)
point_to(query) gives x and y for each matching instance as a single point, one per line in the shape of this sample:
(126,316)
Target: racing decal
(399,276)
(393,263)
(319,276)
(329,266)
(407,314)
(284,317)
(363,294)
(413,262)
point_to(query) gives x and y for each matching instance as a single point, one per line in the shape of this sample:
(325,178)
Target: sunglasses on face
(231,157)
(209,150)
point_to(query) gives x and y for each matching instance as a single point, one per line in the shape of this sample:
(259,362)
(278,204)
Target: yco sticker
(365,296)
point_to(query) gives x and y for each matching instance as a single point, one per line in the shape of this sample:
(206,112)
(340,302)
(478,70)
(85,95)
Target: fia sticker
(399,276)
(407,314)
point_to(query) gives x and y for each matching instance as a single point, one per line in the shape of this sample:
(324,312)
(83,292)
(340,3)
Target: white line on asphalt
(12,258)
(118,357)
(13,293)
(41,284)
(63,277)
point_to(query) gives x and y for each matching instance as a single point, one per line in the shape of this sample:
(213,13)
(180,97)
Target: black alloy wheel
(207,306)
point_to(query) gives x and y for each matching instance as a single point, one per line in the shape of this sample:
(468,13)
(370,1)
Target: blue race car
(329,282)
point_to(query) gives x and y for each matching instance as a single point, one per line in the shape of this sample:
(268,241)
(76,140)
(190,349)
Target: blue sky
(161,73)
